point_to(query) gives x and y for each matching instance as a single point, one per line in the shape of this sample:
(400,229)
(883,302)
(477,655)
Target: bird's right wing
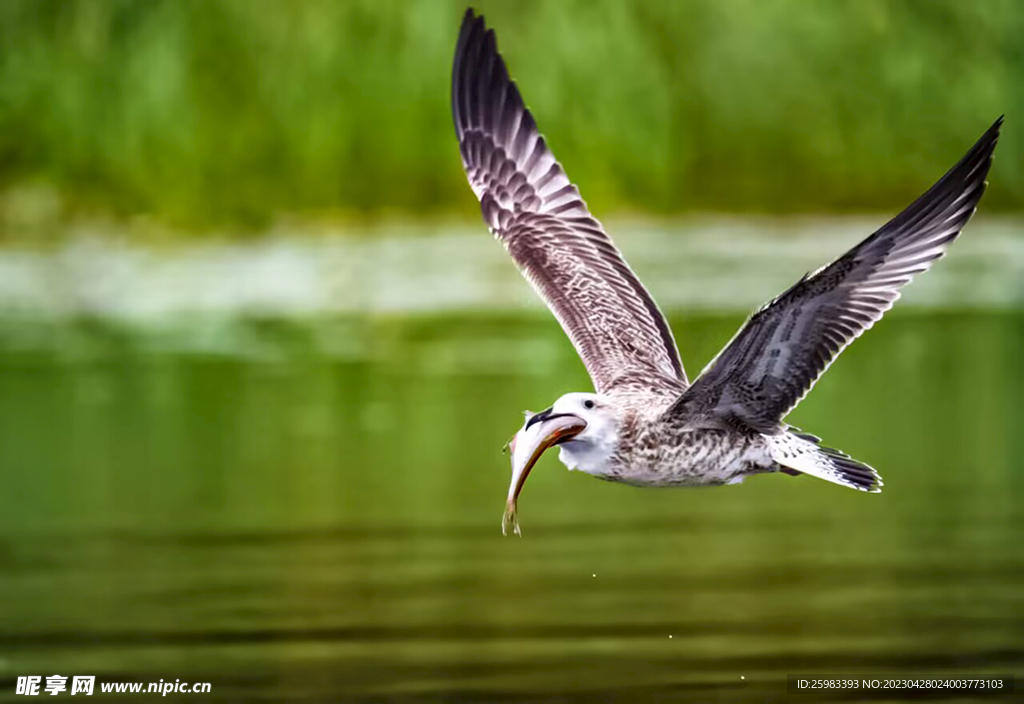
(537,213)
(774,360)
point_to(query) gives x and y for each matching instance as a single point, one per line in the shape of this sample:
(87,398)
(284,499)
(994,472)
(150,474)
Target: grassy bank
(233,112)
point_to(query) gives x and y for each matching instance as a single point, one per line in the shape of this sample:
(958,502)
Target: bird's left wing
(537,213)
(773,361)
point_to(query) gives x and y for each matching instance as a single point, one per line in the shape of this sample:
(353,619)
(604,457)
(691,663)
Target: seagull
(645,424)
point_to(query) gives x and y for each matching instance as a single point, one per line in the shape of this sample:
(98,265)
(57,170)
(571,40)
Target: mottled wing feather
(540,218)
(774,360)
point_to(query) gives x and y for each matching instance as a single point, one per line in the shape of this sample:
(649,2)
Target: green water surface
(306,526)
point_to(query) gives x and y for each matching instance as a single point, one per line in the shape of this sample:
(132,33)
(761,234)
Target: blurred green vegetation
(237,112)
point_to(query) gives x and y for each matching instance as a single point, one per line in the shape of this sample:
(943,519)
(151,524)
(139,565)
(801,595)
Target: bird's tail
(801,452)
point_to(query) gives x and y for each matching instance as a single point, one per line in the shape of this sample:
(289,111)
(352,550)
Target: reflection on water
(300,526)
(702,265)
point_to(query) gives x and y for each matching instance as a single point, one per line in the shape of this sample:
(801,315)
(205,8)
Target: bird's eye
(588,404)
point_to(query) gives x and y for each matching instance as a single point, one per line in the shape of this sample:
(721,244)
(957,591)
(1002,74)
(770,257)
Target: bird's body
(646,424)
(656,454)
(650,449)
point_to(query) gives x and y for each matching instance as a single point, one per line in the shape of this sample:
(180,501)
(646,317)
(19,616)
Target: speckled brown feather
(538,214)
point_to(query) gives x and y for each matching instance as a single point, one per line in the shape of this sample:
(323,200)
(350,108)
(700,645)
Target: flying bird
(645,424)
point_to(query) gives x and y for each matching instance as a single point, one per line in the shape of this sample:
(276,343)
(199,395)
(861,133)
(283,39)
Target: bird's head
(597,412)
(583,425)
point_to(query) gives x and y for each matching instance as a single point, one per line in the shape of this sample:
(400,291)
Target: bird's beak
(538,434)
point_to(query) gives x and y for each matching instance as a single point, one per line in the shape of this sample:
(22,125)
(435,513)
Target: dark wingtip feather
(472,27)
(991,135)
(986,144)
(968,173)
(952,199)
(975,164)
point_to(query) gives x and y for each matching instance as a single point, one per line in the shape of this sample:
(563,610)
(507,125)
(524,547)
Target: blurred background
(259,355)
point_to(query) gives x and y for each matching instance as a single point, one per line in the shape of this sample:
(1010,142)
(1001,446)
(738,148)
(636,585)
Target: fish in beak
(540,432)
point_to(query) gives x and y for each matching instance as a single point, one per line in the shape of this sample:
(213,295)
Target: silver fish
(539,432)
